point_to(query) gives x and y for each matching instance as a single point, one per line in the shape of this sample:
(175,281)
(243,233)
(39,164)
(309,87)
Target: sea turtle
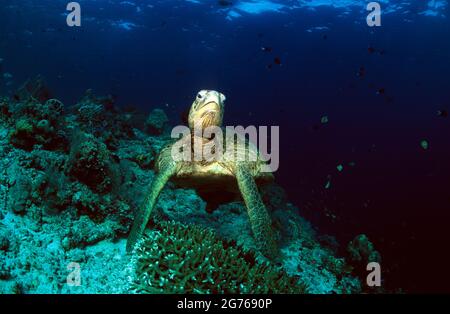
(239,162)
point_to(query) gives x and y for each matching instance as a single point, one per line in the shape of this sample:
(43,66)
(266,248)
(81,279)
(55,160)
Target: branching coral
(173,258)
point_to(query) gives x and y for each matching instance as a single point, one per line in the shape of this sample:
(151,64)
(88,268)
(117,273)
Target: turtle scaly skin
(143,215)
(207,111)
(257,212)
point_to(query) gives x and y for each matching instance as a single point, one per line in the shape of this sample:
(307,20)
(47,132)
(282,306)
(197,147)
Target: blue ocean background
(381,89)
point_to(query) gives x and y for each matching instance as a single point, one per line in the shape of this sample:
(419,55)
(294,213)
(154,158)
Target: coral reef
(173,258)
(38,124)
(71,179)
(156,121)
(362,250)
(90,162)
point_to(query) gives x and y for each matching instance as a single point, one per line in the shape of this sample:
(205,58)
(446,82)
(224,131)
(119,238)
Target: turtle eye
(199,96)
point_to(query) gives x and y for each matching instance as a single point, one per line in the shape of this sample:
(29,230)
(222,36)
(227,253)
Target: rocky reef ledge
(71,178)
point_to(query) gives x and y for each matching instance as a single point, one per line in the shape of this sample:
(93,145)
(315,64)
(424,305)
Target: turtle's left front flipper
(143,215)
(257,212)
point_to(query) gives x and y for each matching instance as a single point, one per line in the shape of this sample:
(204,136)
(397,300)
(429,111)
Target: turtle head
(207,109)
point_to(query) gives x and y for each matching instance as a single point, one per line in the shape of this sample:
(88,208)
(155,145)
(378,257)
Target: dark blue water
(396,192)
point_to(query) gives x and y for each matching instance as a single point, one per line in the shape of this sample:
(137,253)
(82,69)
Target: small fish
(381,91)
(266,49)
(325,37)
(371,49)
(424,144)
(277,61)
(361,72)
(225,3)
(442,113)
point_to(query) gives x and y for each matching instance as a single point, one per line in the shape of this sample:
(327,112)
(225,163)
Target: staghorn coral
(174,258)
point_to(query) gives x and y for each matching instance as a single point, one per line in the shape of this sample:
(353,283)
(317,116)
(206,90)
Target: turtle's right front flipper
(143,215)
(259,217)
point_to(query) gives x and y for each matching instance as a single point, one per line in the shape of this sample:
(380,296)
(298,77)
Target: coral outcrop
(90,162)
(362,250)
(38,124)
(156,121)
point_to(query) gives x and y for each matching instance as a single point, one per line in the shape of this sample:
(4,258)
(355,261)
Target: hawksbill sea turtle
(239,162)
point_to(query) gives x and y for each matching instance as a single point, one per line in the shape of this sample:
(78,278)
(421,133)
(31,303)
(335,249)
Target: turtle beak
(212,97)
(207,110)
